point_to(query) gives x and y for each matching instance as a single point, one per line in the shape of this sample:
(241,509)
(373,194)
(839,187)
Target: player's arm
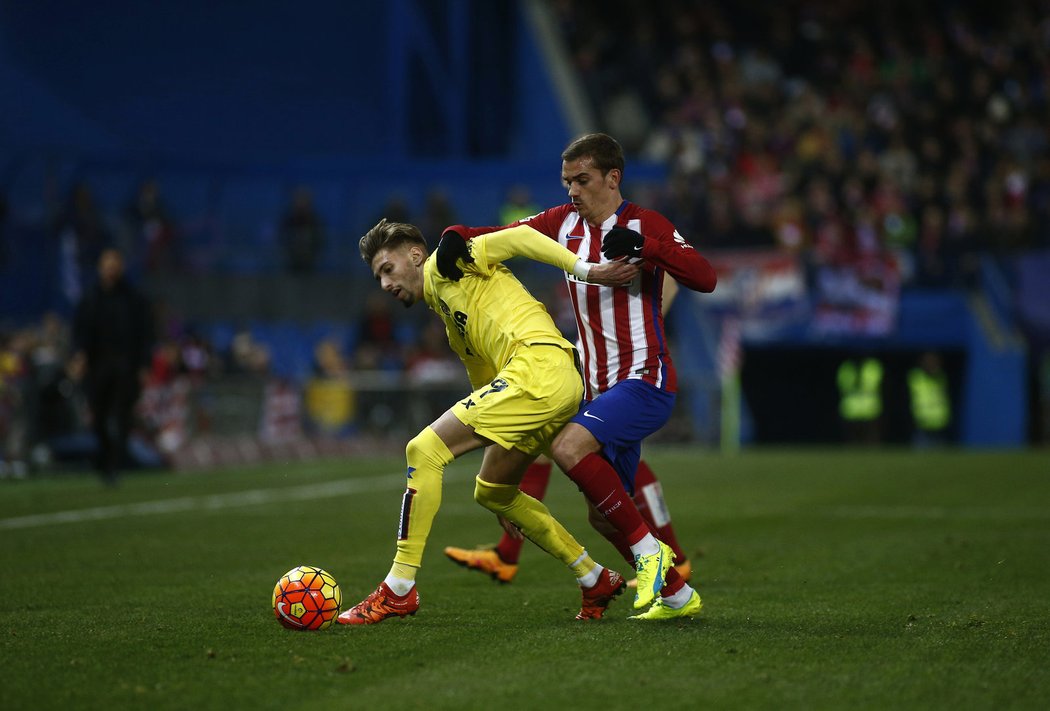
(668,250)
(523,241)
(490,249)
(546,223)
(667,298)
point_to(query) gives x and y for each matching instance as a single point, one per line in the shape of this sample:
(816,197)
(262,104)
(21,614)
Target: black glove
(452,247)
(622,242)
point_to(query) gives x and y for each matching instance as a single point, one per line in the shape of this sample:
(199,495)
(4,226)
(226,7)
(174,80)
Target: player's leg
(501,562)
(539,392)
(677,599)
(607,432)
(427,455)
(530,401)
(673,580)
(503,497)
(649,498)
(497,490)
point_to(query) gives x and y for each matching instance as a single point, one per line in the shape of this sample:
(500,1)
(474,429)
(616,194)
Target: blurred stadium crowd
(910,134)
(834,129)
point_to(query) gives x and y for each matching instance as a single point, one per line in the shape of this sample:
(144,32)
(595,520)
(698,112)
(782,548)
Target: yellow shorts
(528,402)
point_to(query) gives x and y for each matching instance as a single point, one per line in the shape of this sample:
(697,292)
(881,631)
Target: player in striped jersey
(630,378)
(500,562)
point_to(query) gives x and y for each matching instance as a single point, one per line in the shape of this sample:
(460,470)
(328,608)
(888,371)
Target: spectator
(64,419)
(329,361)
(439,213)
(152,234)
(113,336)
(50,347)
(377,345)
(302,233)
(15,389)
(249,356)
(48,352)
(395,210)
(517,206)
(431,360)
(82,236)
(329,398)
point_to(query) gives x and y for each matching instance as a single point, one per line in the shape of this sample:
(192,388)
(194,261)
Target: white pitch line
(214,502)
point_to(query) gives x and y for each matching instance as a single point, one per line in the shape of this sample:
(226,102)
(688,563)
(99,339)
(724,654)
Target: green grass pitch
(831,579)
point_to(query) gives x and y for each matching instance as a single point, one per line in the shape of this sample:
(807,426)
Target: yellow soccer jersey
(489,313)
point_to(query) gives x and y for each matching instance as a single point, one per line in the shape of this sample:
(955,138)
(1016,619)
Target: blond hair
(389,235)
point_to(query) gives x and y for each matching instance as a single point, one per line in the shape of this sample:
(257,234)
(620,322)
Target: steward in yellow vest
(860,399)
(930,404)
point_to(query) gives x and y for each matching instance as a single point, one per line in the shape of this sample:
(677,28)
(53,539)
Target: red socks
(673,582)
(649,498)
(599,483)
(534,483)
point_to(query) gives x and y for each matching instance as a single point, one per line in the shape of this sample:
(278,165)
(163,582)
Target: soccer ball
(306,598)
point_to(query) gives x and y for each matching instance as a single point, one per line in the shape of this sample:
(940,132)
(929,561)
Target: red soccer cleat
(597,597)
(381,604)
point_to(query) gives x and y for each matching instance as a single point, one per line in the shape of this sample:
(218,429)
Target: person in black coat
(113,336)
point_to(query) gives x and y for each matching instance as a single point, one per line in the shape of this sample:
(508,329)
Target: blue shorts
(621,417)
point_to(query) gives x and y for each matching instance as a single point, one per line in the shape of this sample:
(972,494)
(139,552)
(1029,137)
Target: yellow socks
(535,521)
(427,457)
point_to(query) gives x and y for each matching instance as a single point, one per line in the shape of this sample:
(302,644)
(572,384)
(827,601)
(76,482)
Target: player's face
(595,196)
(399,272)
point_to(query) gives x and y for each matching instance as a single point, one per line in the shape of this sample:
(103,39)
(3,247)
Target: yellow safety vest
(929,400)
(860,390)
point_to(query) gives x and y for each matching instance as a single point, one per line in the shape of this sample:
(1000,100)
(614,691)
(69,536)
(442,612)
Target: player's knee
(494,497)
(572,445)
(427,450)
(415,450)
(564,454)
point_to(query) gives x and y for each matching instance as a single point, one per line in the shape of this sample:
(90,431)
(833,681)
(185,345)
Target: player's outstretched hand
(612,273)
(451,248)
(622,242)
(511,528)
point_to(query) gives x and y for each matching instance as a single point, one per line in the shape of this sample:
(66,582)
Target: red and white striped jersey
(622,328)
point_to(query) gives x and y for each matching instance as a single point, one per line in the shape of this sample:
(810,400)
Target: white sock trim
(679,599)
(590,579)
(647,546)
(400,586)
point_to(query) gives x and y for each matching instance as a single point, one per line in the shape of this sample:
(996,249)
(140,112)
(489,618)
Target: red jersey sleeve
(668,250)
(546,222)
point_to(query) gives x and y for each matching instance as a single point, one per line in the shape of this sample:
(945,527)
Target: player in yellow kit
(526,387)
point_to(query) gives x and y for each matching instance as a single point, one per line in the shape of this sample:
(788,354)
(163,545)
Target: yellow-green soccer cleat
(685,569)
(650,571)
(661,611)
